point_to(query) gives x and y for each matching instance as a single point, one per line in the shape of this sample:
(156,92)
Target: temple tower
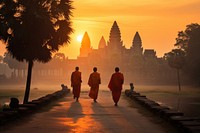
(85,46)
(115,43)
(136,47)
(102,43)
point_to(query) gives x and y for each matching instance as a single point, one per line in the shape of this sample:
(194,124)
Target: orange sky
(157,21)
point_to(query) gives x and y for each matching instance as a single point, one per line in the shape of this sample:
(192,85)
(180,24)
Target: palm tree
(176,59)
(34,29)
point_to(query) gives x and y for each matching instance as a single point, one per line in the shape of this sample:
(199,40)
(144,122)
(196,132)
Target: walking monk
(115,85)
(93,82)
(76,83)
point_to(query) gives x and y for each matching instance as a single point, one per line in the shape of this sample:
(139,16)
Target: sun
(79,38)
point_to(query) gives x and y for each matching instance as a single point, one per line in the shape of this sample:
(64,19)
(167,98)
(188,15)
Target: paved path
(85,116)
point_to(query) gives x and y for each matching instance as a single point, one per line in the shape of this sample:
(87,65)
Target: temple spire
(102,43)
(137,45)
(85,46)
(85,41)
(137,40)
(115,37)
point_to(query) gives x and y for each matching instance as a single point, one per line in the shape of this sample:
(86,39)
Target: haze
(157,21)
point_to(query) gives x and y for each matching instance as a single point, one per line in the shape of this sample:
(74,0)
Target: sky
(157,21)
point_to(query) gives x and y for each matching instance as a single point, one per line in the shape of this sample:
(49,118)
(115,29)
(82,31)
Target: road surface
(85,116)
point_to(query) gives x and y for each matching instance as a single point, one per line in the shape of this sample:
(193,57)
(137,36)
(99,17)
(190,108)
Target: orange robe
(115,85)
(76,83)
(93,82)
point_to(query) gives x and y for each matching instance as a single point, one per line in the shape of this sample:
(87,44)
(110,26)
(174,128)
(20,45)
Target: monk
(93,82)
(76,83)
(115,85)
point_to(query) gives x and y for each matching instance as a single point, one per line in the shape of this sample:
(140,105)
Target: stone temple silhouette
(139,65)
(114,48)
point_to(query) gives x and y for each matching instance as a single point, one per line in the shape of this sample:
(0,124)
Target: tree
(176,59)
(59,56)
(1,59)
(189,41)
(14,64)
(34,29)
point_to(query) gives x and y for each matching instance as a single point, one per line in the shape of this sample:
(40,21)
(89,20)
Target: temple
(85,46)
(140,66)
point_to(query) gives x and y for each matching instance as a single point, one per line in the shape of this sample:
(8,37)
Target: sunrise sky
(157,21)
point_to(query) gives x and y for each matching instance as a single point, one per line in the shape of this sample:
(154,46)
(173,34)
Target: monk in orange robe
(115,85)
(93,82)
(76,83)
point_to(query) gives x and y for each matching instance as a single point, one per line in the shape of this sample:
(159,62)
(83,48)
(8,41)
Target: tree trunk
(28,81)
(14,74)
(179,84)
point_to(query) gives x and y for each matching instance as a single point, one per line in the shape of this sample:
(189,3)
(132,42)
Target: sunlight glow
(79,38)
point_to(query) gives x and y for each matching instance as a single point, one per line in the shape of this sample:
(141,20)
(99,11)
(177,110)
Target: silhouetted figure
(64,87)
(115,85)
(14,103)
(131,87)
(76,83)
(93,82)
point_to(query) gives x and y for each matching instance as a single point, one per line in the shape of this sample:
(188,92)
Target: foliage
(34,29)
(189,41)
(59,56)
(186,38)
(13,63)
(176,58)
(38,27)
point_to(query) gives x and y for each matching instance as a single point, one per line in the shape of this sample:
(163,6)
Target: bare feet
(77,99)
